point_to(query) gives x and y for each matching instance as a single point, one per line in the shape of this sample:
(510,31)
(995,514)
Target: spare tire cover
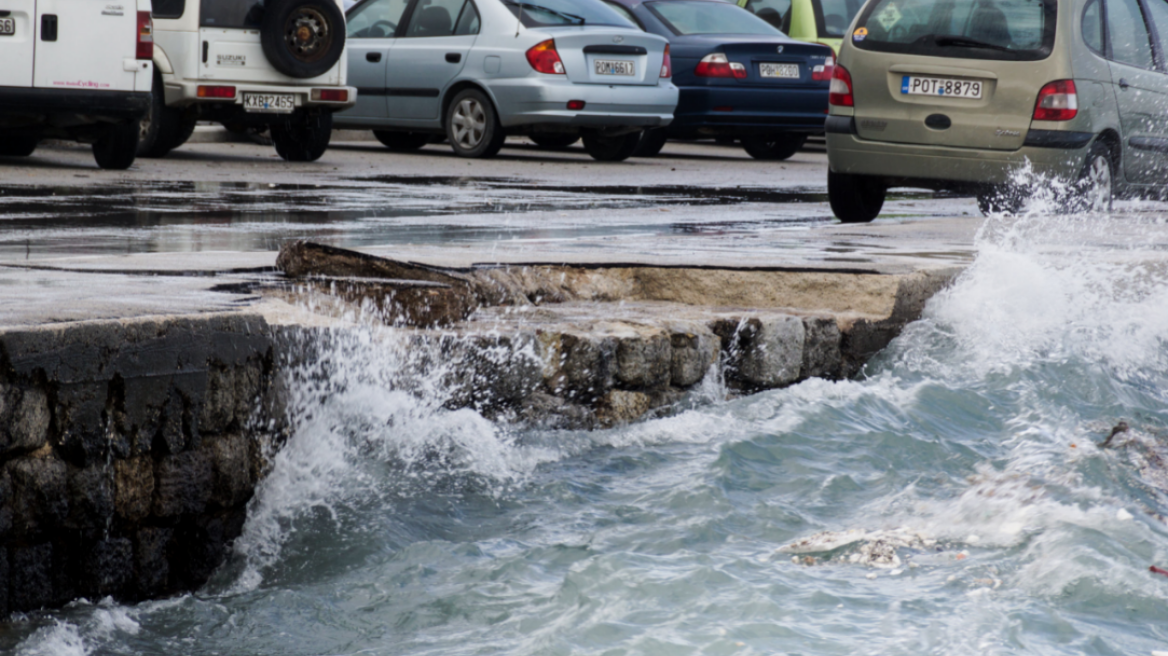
(303,38)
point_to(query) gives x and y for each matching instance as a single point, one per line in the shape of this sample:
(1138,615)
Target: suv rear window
(231,13)
(1014,30)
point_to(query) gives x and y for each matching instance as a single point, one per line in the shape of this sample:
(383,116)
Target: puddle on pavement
(198,216)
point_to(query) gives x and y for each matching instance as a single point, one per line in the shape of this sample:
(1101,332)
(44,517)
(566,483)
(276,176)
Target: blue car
(739,77)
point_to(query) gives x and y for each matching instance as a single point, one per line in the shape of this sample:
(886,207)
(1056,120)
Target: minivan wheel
(472,125)
(302,38)
(854,198)
(18,145)
(1001,199)
(652,141)
(553,141)
(612,149)
(118,146)
(402,141)
(775,147)
(1094,189)
(304,140)
(163,128)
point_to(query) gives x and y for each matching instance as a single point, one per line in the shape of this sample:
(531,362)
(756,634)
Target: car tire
(854,198)
(1001,199)
(774,147)
(163,128)
(303,140)
(552,141)
(402,141)
(1094,189)
(302,38)
(472,125)
(612,149)
(652,141)
(18,145)
(117,147)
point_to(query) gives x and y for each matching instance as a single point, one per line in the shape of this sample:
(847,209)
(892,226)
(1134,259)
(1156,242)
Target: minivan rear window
(1014,30)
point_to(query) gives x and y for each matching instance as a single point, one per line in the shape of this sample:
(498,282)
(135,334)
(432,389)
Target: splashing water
(392,525)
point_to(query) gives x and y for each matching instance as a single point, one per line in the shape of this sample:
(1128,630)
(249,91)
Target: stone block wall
(127,454)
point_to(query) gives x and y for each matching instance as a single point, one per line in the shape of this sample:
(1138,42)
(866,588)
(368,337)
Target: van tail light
(1057,101)
(667,64)
(544,58)
(145,36)
(330,95)
(840,93)
(209,91)
(823,72)
(716,65)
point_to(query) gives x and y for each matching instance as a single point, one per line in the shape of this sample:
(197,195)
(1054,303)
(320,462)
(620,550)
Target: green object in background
(816,21)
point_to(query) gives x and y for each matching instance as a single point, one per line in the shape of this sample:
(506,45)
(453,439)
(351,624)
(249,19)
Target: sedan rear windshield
(701,17)
(1014,30)
(552,13)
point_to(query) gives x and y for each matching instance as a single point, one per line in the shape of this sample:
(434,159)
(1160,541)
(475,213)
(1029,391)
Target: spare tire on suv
(303,38)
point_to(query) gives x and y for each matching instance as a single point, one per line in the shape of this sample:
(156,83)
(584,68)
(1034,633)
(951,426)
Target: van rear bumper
(127,105)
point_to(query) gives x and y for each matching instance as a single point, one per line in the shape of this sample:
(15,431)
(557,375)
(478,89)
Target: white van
(248,64)
(75,69)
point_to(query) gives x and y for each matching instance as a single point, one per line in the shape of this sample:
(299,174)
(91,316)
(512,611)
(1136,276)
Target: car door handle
(453,57)
(373,57)
(49,27)
(1123,83)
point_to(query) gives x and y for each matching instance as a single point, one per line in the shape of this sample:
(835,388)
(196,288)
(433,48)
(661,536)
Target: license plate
(614,67)
(7,26)
(939,86)
(274,103)
(767,69)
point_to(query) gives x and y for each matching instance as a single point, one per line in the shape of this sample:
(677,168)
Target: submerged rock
(870,548)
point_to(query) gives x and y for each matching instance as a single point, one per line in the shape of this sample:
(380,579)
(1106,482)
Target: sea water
(389,525)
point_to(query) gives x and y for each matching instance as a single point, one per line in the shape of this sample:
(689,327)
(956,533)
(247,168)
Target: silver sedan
(479,70)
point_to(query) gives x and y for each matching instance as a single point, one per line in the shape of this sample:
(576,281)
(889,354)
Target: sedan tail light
(840,92)
(716,65)
(145,49)
(823,72)
(1057,101)
(667,64)
(544,58)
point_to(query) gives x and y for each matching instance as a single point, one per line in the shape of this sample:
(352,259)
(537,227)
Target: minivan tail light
(840,93)
(145,48)
(544,58)
(1057,101)
(716,65)
(823,72)
(667,64)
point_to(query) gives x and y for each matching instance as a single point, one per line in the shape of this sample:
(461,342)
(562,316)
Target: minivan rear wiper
(966,42)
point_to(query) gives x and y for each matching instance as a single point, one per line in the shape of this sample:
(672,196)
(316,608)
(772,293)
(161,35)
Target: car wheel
(302,38)
(854,198)
(472,125)
(1094,189)
(553,141)
(118,146)
(163,128)
(652,141)
(304,140)
(612,149)
(402,141)
(1001,199)
(774,147)
(18,145)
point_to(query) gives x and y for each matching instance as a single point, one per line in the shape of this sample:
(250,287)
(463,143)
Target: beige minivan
(960,95)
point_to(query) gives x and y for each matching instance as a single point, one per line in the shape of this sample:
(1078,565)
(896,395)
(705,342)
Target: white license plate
(614,67)
(7,26)
(767,69)
(274,103)
(939,86)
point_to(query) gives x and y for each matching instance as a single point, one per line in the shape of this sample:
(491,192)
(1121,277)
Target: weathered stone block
(548,412)
(4,606)
(150,556)
(231,396)
(6,503)
(133,487)
(79,414)
(821,348)
(644,361)
(106,568)
(584,365)
(91,496)
(489,371)
(692,355)
(231,484)
(200,546)
(621,407)
(24,418)
(764,352)
(182,484)
(30,577)
(38,495)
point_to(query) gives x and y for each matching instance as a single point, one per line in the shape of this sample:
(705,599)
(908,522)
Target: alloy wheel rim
(1100,181)
(469,122)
